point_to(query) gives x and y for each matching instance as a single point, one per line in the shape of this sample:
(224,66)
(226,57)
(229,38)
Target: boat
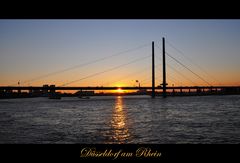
(54,97)
(84,97)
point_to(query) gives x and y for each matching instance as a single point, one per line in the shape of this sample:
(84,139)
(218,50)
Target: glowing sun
(119,90)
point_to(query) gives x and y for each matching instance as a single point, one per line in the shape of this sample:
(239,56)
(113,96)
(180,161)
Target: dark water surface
(121,119)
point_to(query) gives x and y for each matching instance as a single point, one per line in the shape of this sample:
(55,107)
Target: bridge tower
(153,72)
(164,84)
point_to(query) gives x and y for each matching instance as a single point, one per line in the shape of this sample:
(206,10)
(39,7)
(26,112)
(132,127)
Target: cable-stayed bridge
(162,88)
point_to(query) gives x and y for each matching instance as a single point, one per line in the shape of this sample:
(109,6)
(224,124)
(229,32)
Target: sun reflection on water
(119,124)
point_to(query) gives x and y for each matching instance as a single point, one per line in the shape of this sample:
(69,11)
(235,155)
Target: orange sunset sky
(118,52)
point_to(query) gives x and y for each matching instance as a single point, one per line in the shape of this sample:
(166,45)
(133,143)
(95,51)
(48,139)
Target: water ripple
(134,119)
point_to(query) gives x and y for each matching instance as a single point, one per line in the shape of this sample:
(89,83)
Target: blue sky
(31,48)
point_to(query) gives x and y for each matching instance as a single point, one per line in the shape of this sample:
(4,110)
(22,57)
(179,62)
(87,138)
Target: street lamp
(138,83)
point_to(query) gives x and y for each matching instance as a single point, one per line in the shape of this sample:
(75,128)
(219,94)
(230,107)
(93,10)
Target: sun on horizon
(119,90)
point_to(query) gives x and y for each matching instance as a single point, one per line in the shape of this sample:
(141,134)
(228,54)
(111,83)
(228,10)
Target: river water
(121,119)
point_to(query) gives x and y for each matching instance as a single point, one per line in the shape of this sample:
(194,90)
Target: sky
(111,52)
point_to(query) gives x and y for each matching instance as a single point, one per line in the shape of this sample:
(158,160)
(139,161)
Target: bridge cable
(85,64)
(127,76)
(187,68)
(189,59)
(178,72)
(108,70)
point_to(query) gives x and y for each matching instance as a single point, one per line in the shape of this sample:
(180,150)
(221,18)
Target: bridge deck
(109,88)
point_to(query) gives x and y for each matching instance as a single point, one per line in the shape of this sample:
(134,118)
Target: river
(121,120)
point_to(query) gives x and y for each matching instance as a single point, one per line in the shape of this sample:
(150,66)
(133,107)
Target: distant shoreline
(27,95)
